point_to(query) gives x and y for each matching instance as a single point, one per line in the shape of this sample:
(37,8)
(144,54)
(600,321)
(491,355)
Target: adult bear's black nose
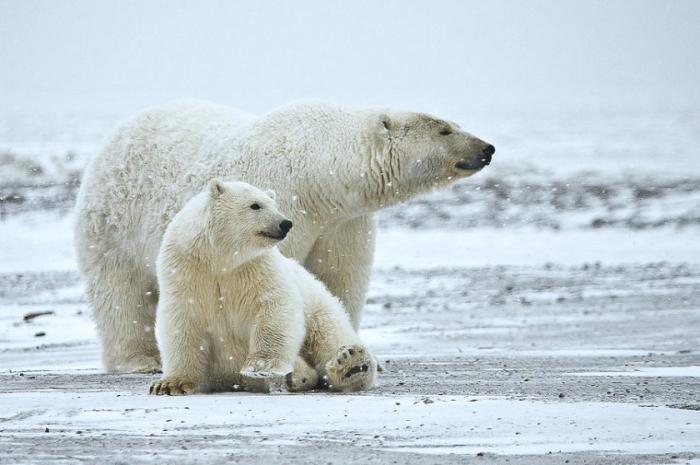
(486,154)
(285,226)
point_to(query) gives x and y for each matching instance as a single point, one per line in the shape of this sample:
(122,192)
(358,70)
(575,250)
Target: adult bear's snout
(478,161)
(487,153)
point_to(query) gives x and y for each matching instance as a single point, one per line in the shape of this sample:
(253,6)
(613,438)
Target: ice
(446,424)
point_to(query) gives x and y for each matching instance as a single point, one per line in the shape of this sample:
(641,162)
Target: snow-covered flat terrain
(545,311)
(433,425)
(573,363)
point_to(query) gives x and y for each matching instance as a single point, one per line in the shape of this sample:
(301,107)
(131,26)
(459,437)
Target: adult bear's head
(415,152)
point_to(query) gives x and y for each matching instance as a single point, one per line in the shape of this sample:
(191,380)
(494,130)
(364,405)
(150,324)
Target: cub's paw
(265,381)
(303,378)
(172,387)
(140,364)
(262,375)
(352,369)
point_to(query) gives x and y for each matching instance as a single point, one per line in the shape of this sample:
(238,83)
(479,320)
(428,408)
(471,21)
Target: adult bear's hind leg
(123,300)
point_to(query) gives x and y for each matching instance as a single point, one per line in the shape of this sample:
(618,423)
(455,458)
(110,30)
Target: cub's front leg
(184,348)
(275,342)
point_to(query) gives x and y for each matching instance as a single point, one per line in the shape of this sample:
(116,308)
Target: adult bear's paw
(172,387)
(352,369)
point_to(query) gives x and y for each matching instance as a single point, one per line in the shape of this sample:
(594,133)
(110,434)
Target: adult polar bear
(332,168)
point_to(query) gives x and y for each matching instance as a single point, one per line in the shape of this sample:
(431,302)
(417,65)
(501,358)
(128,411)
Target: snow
(647,372)
(573,260)
(529,246)
(33,250)
(425,424)
(567,259)
(37,242)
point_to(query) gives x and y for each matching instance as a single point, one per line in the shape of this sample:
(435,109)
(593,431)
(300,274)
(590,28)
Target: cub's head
(421,152)
(243,219)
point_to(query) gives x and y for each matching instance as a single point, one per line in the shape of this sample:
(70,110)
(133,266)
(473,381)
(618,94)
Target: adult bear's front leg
(342,259)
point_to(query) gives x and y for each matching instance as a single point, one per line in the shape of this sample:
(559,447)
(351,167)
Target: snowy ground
(545,311)
(578,363)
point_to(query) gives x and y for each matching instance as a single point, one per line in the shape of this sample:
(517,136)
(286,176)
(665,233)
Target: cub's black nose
(487,153)
(285,226)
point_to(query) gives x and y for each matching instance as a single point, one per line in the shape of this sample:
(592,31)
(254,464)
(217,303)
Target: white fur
(332,168)
(234,311)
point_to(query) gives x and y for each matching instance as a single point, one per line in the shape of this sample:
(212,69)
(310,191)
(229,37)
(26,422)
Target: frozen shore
(544,311)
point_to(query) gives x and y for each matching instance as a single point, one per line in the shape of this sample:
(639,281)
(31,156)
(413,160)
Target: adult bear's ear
(384,124)
(216,188)
(271,194)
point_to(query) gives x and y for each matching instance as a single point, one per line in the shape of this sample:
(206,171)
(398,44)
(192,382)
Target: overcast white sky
(434,54)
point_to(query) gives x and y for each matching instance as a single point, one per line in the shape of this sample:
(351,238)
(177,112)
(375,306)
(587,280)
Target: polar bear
(233,311)
(333,168)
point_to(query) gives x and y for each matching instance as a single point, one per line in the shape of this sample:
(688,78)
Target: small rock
(31,315)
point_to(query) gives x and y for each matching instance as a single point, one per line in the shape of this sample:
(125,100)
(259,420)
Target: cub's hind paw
(264,375)
(352,369)
(302,378)
(172,387)
(265,381)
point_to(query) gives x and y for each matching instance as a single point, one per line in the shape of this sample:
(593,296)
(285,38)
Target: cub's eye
(255,206)
(445,132)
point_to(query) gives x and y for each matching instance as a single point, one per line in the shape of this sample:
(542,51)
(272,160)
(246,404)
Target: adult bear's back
(148,168)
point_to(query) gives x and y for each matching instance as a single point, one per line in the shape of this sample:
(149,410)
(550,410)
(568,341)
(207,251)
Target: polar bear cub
(234,312)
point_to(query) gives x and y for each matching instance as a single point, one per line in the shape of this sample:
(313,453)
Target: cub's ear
(216,188)
(271,194)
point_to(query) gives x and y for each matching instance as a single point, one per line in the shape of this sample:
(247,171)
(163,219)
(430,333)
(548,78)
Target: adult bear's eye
(445,132)
(255,206)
